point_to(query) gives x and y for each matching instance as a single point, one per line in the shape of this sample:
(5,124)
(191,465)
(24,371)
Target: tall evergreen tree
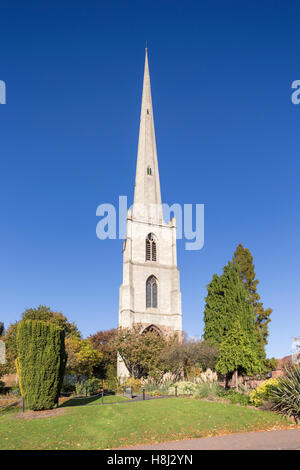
(41,362)
(242,256)
(226,301)
(227,304)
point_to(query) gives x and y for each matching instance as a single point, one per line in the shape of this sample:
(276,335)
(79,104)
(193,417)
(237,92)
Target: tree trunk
(236,380)
(227,382)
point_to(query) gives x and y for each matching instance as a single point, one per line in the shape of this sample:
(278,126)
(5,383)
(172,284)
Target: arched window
(150,248)
(151,292)
(149,171)
(152,329)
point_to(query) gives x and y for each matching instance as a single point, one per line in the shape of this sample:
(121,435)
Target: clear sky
(227,136)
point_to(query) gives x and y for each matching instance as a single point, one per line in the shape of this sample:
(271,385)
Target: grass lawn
(111,426)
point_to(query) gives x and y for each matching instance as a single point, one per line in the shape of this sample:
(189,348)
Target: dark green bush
(93,386)
(68,386)
(234,397)
(42,359)
(88,387)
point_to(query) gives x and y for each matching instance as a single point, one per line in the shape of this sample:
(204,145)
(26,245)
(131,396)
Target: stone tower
(150,293)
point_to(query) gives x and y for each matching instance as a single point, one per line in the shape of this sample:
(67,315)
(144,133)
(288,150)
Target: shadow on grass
(11,407)
(81,401)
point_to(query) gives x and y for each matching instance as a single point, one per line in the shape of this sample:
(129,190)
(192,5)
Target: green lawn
(111,426)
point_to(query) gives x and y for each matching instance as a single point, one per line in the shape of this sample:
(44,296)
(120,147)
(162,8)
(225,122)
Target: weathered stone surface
(2,352)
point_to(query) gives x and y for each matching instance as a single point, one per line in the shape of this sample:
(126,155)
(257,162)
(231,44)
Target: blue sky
(227,136)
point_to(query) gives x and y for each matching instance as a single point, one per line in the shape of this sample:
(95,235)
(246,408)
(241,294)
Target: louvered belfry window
(150,248)
(151,292)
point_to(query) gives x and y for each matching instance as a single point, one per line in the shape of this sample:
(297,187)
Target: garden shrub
(236,397)
(215,390)
(88,387)
(262,392)
(285,392)
(156,390)
(80,389)
(207,390)
(136,384)
(111,381)
(41,360)
(183,388)
(163,389)
(68,386)
(156,393)
(93,386)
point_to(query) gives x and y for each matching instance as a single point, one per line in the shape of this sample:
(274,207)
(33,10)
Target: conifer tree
(227,301)
(237,354)
(242,256)
(228,315)
(41,362)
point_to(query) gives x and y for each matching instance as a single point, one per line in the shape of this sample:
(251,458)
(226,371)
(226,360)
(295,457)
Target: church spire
(147,196)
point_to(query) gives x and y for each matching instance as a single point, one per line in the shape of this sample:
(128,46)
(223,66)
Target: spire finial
(146,48)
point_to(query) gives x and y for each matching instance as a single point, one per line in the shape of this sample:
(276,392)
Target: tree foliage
(230,321)
(82,356)
(243,257)
(44,313)
(238,352)
(10,339)
(41,362)
(271,364)
(226,301)
(104,342)
(1,328)
(182,357)
(41,313)
(141,352)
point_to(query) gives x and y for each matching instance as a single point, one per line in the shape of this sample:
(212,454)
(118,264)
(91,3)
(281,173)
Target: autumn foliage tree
(180,357)
(82,357)
(141,351)
(104,342)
